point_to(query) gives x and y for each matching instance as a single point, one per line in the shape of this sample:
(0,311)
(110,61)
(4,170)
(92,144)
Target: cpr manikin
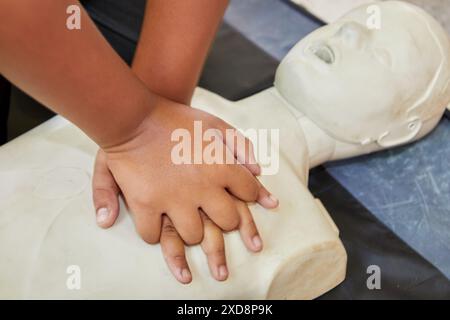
(343,91)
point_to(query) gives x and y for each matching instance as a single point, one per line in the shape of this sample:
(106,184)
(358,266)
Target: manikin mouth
(324,53)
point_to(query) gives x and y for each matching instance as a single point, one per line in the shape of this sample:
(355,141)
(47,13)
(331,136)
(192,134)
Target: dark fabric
(5,94)
(119,21)
(122,17)
(122,45)
(404,273)
(25,113)
(232,70)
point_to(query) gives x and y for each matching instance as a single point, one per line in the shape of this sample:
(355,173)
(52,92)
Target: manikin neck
(322,147)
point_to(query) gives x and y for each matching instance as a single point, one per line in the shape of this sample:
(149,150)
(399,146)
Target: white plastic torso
(47,223)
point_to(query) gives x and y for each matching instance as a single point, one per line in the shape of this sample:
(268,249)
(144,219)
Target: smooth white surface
(47,220)
(44,229)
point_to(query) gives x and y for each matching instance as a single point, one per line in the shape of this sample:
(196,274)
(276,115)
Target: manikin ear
(402,134)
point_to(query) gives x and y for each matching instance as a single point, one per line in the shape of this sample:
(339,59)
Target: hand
(212,245)
(106,193)
(154,186)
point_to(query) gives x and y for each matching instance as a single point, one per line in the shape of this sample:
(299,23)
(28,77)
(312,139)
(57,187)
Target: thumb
(105,193)
(106,204)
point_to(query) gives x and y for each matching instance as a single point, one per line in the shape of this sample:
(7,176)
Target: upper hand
(154,186)
(106,193)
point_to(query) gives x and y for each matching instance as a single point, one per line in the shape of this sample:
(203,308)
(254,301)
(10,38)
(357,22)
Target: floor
(408,188)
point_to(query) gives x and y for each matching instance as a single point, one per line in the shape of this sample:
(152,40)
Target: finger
(214,248)
(221,209)
(241,183)
(247,228)
(242,149)
(148,224)
(266,199)
(188,224)
(173,250)
(105,192)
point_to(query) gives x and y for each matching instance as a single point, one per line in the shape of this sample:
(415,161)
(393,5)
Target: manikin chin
(343,91)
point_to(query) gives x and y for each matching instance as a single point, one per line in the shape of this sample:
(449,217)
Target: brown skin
(173,45)
(170,65)
(77,74)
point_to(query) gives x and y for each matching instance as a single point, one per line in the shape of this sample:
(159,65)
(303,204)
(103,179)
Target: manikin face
(358,83)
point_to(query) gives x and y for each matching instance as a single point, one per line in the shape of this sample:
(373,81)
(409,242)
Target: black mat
(237,68)
(5,94)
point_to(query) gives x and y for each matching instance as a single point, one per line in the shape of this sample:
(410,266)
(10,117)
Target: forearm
(174,43)
(73,72)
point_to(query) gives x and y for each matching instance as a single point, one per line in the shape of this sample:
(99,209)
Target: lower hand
(106,200)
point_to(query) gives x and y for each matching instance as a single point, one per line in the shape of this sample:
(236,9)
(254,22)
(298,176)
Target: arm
(174,43)
(80,76)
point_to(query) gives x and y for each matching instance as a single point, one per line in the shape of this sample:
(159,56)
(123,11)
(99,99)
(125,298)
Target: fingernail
(102,215)
(257,242)
(223,272)
(186,275)
(273,199)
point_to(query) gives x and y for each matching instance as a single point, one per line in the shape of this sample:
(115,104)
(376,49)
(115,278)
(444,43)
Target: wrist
(130,122)
(151,125)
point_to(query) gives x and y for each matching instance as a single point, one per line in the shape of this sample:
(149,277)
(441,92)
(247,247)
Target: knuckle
(194,239)
(218,251)
(148,237)
(230,225)
(250,224)
(169,230)
(250,191)
(213,247)
(178,257)
(142,203)
(215,252)
(102,191)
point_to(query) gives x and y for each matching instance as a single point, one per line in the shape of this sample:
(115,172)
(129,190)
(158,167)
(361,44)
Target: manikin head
(368,86)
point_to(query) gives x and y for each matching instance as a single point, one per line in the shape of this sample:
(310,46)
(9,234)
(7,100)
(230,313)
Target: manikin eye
(324,53)
(352,34)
